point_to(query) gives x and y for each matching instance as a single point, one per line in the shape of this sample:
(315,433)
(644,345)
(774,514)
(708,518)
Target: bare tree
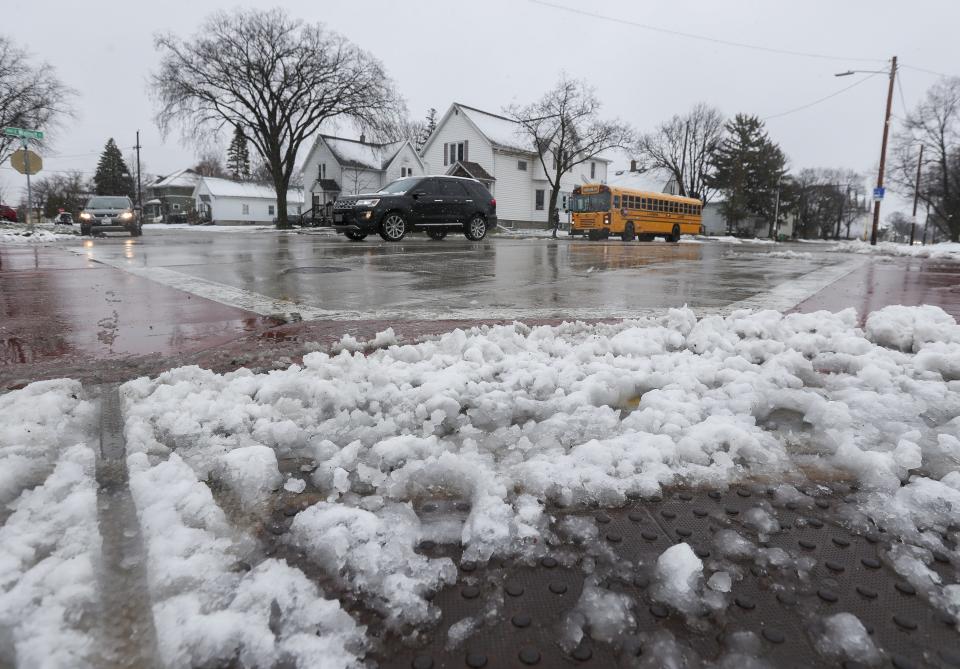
(209,165)
(935,125)
(277,78)
(685,146)
(565,129)
(31,96)
(67,191)
(358,180)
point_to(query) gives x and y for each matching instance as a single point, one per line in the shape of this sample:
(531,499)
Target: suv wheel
(436,234)
(136,230)
(355,236)
(476,228)
(85,230)
(393,227)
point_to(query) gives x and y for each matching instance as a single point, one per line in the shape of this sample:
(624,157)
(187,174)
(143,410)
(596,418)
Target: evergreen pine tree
(428,129)
(113,176)
(747,168)
(238,156)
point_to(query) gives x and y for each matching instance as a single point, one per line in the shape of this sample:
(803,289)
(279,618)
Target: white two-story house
(336,165)
(493,149)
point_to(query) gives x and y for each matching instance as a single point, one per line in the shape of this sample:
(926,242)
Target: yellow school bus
(600,211)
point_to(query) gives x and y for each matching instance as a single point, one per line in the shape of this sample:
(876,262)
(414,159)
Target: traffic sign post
(25,136)
(878,194)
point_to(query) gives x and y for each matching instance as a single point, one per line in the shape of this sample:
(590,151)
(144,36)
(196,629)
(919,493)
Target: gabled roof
(185,178)
(245,189)
(471,170)
(500,130)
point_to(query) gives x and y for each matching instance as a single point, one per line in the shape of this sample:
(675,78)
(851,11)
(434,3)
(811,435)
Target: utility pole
(26,162)
(916,196)
(139,197)
(926,222)
(776,212)
(683,157)
(883,153)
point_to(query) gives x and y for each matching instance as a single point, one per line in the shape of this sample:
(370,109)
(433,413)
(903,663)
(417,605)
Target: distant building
(491,148)
(336,165)
(170,199)
(226,202)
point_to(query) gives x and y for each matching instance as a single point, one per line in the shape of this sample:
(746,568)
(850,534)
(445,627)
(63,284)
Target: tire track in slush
(129,636)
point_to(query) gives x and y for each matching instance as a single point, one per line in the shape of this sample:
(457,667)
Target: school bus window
(616,201)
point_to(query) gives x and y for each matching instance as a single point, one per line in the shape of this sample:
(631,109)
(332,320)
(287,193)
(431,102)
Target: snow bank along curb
(506,423)
(49,539)
(512,418)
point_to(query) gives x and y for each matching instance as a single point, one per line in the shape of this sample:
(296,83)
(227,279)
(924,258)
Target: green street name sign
(23,134)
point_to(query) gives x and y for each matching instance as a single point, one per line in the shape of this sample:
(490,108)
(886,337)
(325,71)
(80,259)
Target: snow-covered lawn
(506,422)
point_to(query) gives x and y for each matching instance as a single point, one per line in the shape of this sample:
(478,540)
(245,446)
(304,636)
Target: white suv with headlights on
(110,213)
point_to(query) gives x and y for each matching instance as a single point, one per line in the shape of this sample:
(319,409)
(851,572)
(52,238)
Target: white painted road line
(787,295)
(782,297)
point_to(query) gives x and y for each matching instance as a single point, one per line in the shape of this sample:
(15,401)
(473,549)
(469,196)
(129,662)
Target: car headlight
(369,202)
(84,216)
(126,216)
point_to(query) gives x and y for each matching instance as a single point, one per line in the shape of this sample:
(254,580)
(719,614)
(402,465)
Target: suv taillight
(493,202)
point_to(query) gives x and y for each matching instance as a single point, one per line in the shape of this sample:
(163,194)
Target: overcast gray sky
(490,54)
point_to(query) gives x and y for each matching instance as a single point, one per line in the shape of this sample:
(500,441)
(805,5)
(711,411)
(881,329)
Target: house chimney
(633,165)
(363,138)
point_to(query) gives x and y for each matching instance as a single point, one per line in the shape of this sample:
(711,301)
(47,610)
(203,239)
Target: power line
(903,100)
(926,71)
(823,99)
(703,38)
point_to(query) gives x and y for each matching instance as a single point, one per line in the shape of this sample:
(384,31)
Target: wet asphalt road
(112,308)
(495,278)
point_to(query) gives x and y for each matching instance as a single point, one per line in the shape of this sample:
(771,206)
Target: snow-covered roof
(354,153)
(500,130)
(655,181)
(245,189)
(185,178)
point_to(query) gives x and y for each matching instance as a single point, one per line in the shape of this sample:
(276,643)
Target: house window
(245,209)
(176,206)
(453,153)
(522,165)
(593,170)
(270,209)
(539,200)
(322,171)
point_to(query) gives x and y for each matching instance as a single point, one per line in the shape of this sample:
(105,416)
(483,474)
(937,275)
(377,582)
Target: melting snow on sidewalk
(505,422)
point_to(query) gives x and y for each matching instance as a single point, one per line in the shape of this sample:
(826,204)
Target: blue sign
(878,193)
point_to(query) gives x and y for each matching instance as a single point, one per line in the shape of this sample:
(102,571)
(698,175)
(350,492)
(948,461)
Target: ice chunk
(759,520)
(295,485)
(909,328)
(252,474)
(373,555)
(679,579)
(843,637)
(720,581)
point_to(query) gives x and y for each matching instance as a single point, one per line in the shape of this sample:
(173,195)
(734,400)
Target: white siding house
(336,165)
(226,202)
(492,149)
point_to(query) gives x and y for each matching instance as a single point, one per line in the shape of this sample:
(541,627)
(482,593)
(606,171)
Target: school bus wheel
(628,233)
(674,235)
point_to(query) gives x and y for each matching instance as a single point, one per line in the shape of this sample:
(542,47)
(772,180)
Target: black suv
(436,204)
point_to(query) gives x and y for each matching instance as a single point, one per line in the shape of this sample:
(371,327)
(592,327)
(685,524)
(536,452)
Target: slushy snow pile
(941,251)
(41,234)
(510,417)
(501,421)
(49,539)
